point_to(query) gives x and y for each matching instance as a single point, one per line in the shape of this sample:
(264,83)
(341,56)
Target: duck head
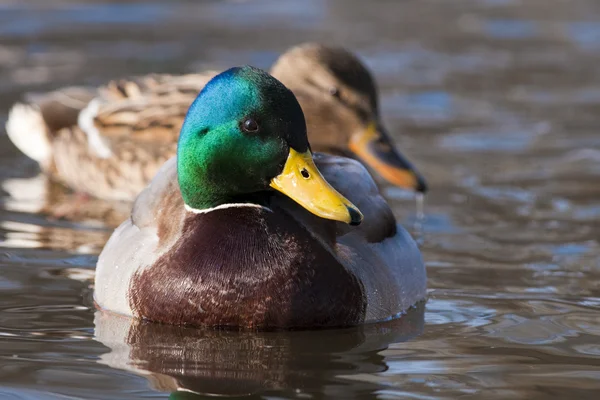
(245,134)
(345,119)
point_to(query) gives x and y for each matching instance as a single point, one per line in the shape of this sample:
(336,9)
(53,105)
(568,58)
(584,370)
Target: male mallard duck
(110,141)
(239,229)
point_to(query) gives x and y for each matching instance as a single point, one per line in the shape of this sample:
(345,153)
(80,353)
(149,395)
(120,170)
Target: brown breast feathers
(247,267)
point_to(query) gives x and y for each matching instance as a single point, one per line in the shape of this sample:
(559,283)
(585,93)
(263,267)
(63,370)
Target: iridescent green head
(245,133)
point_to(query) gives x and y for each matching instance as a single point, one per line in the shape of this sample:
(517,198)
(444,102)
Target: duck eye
(335,92)
(250,125)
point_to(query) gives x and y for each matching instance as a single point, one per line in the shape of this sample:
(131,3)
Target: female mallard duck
(110,141)
(239,229)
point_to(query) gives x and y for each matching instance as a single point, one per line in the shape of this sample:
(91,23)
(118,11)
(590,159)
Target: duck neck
(206,184)
(199,191)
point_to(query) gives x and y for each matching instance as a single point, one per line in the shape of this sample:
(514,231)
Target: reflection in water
(213,362)
(42,214)
(40,195)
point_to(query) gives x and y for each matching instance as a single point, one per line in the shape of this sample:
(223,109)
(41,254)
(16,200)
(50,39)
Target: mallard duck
(110,141)
(243,228)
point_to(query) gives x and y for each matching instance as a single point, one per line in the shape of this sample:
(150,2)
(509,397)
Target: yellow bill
(302,182)
(375,149)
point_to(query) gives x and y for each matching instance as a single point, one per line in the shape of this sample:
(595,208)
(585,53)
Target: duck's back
(107,141)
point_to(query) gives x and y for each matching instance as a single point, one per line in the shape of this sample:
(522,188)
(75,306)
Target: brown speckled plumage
(138,119)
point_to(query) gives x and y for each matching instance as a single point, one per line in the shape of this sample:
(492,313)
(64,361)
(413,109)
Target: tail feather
(28,131)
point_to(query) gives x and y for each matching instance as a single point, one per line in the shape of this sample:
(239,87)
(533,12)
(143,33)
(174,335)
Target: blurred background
(497,103)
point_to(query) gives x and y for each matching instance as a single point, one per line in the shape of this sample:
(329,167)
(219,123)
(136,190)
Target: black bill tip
(355,217)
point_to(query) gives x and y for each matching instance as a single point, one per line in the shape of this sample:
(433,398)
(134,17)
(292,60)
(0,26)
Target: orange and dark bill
(374,148)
